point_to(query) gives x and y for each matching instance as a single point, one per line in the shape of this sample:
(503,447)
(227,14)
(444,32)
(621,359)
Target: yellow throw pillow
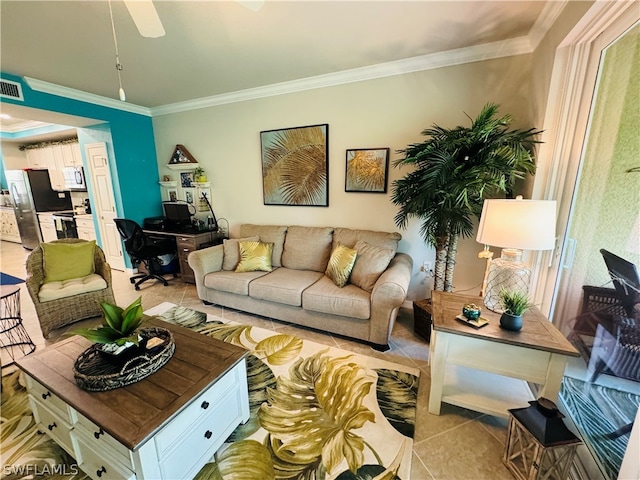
(254,256)
(64,261)
(341,264)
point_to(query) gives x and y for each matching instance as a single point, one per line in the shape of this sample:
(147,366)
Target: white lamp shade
(522,224)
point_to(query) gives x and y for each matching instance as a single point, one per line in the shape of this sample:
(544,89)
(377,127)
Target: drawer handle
(101,471)
(52,426)
(45,395)
(208,434)
(98,433)
(204,405)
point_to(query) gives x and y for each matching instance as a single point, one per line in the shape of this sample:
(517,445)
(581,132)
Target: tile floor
(457,445)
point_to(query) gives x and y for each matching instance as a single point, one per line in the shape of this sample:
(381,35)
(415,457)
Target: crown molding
(545,21)
(487,51)
(72,93)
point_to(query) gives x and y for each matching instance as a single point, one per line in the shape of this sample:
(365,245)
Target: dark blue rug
(6,279)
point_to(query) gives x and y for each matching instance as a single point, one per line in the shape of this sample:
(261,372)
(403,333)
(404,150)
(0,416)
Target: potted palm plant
(514,303)
(454,171)
(119,329)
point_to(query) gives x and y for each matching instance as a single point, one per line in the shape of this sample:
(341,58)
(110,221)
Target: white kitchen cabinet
(47,227)
(8,225)
(85,228)
(55,158)
(35,157)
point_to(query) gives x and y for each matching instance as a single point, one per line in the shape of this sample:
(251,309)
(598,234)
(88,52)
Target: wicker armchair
(57,313)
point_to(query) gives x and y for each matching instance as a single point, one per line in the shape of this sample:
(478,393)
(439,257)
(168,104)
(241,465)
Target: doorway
(601,390)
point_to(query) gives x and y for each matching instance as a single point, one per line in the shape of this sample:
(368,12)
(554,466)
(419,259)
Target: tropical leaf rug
(317,412)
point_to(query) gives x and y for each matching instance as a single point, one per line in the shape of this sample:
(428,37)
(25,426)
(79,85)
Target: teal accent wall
(130,142)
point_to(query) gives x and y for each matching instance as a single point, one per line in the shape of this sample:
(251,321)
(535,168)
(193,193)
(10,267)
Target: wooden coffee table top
(133,413)
(537,331)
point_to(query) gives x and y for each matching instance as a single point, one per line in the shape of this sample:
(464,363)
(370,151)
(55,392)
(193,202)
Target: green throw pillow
(341,264)
(64,261)
(254,256)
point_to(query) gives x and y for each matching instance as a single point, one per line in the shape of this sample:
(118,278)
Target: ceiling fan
(146,18)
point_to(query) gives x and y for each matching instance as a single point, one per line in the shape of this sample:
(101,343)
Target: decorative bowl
(471,311)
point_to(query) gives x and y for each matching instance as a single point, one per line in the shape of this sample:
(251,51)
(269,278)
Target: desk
(483,369)
(187,243)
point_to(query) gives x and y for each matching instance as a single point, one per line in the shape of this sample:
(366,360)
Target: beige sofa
(297,289)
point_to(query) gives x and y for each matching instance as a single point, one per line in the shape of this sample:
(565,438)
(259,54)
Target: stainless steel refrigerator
(31,193)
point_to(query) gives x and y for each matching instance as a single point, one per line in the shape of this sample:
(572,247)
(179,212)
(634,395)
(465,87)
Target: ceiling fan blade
(146,18)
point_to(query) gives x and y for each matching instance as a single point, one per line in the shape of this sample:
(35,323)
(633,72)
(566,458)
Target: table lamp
(514,225)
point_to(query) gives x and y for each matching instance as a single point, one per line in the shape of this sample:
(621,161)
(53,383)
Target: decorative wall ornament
(367,170)
(295,166)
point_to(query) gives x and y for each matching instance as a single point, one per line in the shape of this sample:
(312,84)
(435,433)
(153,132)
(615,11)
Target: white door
(104,203)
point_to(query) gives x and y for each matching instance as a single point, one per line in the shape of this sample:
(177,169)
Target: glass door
(601,389)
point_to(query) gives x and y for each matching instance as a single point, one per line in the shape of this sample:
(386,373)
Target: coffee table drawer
(44,396)
(198,409)
(99,465)
(99,440)
(50,423)
(205,437)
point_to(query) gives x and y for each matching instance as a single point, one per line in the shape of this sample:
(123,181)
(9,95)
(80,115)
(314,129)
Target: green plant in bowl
(119,325)
(514,302)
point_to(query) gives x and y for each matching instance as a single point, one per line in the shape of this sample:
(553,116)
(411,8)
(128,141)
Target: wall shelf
(171,184)
(182,166)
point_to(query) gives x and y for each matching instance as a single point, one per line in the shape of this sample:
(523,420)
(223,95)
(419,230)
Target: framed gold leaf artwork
(295,166)
(367,170)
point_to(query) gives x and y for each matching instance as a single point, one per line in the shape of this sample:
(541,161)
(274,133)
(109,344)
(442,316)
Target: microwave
(74,179)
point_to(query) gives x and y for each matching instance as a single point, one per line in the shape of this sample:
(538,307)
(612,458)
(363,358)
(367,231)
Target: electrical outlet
(426,266)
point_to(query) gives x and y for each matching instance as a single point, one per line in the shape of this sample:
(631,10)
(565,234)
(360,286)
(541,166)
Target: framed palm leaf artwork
(295,166)
(367,170)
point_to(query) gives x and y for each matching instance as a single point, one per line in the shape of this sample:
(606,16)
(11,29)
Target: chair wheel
(132,280)
(137,287)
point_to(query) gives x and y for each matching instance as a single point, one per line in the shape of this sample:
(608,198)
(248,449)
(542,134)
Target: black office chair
(143,250)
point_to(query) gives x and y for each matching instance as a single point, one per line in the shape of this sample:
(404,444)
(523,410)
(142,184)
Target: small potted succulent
(199,175)
(514,303)
(119,329)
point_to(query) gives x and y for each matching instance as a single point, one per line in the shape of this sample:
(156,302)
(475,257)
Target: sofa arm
(389,293)
(205,261)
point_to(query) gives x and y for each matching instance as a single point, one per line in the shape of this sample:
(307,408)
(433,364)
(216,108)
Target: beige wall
(13,158)
(388,112)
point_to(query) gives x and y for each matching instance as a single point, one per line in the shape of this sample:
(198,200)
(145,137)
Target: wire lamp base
(507,272)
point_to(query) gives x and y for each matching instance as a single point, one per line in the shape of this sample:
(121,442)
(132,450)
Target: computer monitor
(178,214)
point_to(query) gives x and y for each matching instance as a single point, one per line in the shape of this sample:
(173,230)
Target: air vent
(11,89)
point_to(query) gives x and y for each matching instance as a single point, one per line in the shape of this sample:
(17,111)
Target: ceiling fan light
(123,97)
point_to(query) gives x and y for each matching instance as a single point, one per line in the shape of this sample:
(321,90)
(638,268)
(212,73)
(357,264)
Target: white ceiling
(219,47)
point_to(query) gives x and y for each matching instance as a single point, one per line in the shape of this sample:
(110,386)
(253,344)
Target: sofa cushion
(67,288)
(371,261)
(307,248)
(231,282)
(267,233)
(349,237)
(232,252)
(67,261)
(283,286)
(325,297)
(254,256)
(340,264)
